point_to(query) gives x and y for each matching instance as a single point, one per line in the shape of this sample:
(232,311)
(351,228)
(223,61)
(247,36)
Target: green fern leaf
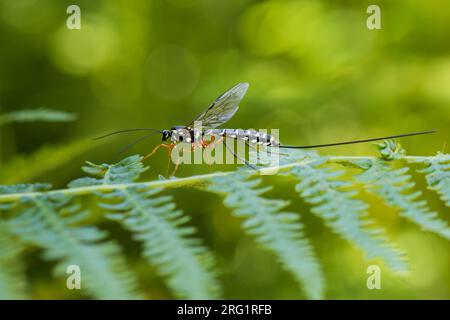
(322,188)
(19,189)
(154,220)
(277,231)
(35,115)
(396,188)
(23,188)
(49,222)
(12,271)
(437,172)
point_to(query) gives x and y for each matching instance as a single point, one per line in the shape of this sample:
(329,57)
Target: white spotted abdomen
(252,136)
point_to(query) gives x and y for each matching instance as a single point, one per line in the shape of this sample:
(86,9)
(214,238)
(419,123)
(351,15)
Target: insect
(219,112)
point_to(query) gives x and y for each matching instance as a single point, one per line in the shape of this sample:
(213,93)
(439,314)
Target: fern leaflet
(34,115)
(396,188)
(50,222)
(322,188)
(154,220)
(278,231)
(33,215)
(437,172)
(12,274)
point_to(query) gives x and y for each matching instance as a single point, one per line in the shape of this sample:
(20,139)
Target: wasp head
(166,134)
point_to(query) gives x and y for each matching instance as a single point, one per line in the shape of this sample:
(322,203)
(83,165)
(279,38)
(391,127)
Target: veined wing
(223,108)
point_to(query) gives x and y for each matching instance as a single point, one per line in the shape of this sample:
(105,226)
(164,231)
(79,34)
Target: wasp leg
(269,149)
(177,164)
(239,158)
(220,140)
(250,146)
(253,148)
(154,150)
(169,157)
(266,148)
(204,143)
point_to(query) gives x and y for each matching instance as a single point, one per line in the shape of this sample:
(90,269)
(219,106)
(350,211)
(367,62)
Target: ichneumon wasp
(219,112)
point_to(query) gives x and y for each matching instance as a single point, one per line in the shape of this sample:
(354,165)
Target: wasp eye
(165,135)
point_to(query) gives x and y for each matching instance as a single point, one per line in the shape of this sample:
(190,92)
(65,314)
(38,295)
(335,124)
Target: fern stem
(178,182)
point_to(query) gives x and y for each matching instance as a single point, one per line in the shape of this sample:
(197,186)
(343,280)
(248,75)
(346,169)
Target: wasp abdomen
(252,136)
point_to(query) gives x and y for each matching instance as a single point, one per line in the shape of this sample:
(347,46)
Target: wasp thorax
(181,135)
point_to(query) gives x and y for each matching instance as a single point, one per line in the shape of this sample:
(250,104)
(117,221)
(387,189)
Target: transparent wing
(223,108)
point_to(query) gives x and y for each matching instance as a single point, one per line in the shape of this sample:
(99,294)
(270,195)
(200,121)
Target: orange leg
(207,144)
(204,143)
(175,169)
(220,140)
(156,148)
(169,156)
(169,147)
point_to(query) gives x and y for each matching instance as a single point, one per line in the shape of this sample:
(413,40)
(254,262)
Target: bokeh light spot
(80,51)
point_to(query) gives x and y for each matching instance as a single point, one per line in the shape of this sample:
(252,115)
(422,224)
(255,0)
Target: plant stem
(179,182)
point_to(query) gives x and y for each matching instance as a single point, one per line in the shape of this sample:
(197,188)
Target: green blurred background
(316,72)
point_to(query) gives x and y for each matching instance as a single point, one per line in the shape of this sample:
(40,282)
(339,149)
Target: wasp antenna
(359,141)
(133,143)
(127,130)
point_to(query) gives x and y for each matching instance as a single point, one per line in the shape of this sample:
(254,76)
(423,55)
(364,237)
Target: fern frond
(12,271)
(342,212)
(168,244)
(19,190)
(50,222)
(153,219)
(396,188)
(24,188)
(437,173)
(35,115)
(276,230)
